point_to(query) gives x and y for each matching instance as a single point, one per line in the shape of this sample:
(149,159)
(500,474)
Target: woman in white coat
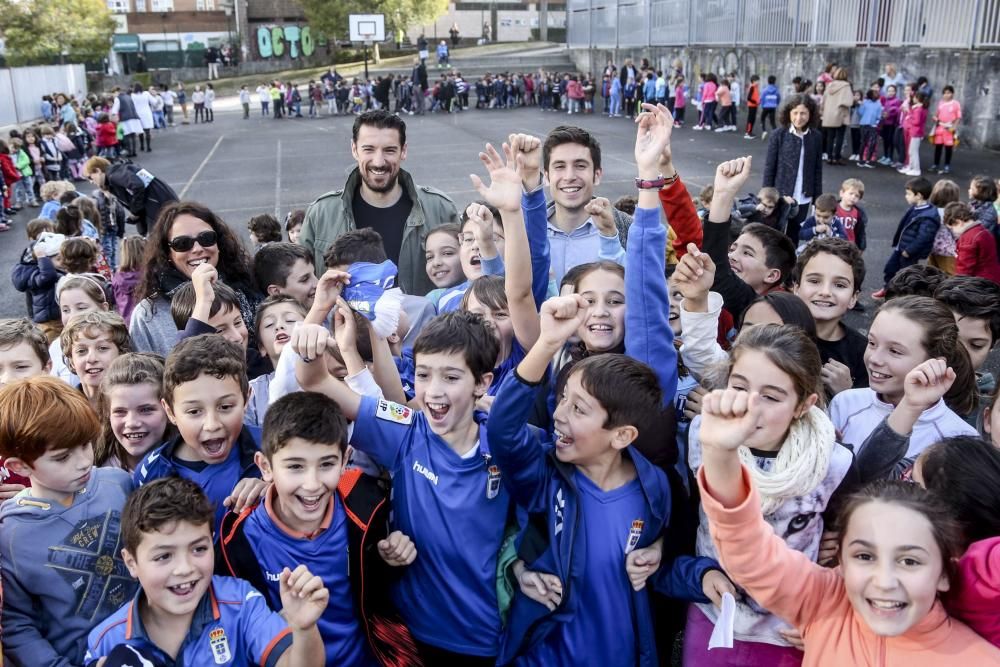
(143,102)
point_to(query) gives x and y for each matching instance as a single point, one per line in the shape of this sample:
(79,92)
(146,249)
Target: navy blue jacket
(545,486)
(782,165)
(916,231)
(38,277)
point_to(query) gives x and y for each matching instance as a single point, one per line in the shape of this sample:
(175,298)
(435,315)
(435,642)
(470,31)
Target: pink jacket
(813,598)
(916,120)
(975,597)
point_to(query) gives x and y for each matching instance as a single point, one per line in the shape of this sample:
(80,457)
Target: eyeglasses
(206,239)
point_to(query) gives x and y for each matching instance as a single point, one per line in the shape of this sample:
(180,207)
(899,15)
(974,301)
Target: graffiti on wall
(275,41)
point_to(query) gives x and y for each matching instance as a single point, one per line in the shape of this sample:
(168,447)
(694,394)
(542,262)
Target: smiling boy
(319,515)
(91,342)
(183,614)
(62,570)
(286,269)
(205,389)
(275,318)
(447,495)
(828,276)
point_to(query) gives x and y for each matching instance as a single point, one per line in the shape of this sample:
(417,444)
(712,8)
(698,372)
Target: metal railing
(964,24)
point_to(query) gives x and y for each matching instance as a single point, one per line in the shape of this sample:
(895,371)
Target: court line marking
(201,166)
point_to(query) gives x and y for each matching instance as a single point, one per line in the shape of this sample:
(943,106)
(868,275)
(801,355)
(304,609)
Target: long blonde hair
(130,252)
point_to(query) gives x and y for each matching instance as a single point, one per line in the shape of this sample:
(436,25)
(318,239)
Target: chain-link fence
(965,24)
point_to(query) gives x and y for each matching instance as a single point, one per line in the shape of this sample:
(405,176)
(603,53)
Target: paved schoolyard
(244,167)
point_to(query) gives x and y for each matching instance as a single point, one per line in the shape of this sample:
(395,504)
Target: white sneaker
(698,127)
(854,158)
(825,156)
(748,136)
(722,129)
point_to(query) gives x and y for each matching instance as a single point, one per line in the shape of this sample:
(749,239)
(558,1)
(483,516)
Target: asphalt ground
(241,168)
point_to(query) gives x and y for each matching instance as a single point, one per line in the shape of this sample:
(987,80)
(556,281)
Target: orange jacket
(813,598)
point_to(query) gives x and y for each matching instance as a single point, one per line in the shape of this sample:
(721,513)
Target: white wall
(24,86)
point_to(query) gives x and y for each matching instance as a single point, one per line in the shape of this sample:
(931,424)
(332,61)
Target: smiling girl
(882,604)
(132,415)
(91,342)
(793,456)
(906,332)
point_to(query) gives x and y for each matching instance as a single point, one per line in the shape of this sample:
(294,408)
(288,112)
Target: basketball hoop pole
(367,42)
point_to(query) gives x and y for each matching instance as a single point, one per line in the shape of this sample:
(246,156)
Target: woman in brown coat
(836,114)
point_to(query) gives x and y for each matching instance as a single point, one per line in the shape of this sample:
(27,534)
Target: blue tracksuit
(232,625)
(808,231)
(216,480)
(553,492)
(445,504)
(914,234)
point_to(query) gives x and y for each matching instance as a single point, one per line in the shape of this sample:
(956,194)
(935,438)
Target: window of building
(205,5)
(140,5)
(118,6)
(163,5)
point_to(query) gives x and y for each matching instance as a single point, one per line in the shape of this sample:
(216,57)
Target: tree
(39,31)
(329,18)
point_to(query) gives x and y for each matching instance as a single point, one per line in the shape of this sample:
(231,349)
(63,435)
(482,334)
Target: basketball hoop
(368,38)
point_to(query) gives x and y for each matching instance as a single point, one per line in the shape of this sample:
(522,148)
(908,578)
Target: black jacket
(139,191)
(782,165)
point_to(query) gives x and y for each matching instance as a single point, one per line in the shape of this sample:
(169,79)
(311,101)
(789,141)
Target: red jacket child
(976,251)
(107,135)
(11,175)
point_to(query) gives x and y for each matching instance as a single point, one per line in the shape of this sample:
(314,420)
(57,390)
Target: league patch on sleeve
(145,177)
(393,412)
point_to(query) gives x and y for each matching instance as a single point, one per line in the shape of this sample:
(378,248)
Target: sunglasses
(206,239)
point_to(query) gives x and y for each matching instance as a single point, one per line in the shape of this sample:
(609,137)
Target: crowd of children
(604,443)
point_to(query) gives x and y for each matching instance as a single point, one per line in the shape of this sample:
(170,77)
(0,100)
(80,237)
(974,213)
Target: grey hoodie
(62,570)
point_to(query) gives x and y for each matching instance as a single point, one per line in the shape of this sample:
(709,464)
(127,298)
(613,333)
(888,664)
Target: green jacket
(332,215)
(23,163)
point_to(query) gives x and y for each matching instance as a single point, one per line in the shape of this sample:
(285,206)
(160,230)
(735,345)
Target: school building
(953,42)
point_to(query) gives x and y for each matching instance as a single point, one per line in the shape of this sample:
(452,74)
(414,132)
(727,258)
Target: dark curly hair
(801,99)
(234,262)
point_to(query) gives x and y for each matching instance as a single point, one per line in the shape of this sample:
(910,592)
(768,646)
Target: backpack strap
(235,556)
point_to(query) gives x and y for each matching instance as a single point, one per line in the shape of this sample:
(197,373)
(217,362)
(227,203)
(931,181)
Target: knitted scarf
(801,464)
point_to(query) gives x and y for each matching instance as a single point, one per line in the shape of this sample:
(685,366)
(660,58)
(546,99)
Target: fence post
(973,40)
(871,22)
(649,23)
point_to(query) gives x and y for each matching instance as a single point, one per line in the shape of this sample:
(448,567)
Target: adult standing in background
(124,110)
(454,34)
(892,77)
(212,60)
(794,157)
(382,196)
(837,101)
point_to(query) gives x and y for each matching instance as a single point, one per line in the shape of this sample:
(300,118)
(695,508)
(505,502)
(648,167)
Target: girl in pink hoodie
(881,606)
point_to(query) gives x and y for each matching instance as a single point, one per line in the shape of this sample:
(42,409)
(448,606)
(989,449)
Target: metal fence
(965,24)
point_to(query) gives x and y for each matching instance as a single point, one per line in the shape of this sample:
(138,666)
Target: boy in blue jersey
(598,499)
(446,492)
(312,515)
(181,614)
(59,538)
(205,390)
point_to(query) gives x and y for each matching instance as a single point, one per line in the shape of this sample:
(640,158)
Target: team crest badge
(492,482)
(394,412)
(220,646)
(634,533)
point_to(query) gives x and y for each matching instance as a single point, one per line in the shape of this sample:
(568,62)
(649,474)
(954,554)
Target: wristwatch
(656,184)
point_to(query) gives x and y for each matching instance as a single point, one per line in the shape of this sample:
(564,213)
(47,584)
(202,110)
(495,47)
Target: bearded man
(380,195)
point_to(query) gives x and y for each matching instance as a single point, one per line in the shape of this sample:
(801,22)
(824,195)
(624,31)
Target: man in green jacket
(380,195)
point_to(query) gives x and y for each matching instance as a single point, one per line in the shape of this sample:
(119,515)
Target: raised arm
(312,342)
(648,337)
(730,177)
(528,151)
(678,207)
(781,579)
(504,192)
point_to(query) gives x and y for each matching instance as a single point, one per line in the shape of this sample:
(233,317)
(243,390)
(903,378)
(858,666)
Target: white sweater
(856,412)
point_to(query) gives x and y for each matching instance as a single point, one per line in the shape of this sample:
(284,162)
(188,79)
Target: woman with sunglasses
(186,235)
(138,190)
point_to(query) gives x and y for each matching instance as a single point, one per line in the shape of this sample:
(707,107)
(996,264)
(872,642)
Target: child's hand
(728,418)
(311,341)
(345,330)
(482,227)
(247,492)
(655,125)
(692,406)
(714,584)
(328,290)
(527,152)
(397,549)
(822,229)
(836,376)
(640,564)
(303,598)
(203,279)
(542,587)
(829,548)
(560,317)
(602,213)
(926,384)
(504,190)
(8,491)
(694,274)
(731,176)
(38,251)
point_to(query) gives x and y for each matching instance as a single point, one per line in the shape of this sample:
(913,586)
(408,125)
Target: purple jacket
(123,284)
(890,110)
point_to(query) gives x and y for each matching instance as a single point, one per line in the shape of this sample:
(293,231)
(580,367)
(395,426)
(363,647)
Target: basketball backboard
(367,27)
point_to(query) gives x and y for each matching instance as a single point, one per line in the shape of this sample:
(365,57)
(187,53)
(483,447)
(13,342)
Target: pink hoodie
(813,598)
(975,597)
